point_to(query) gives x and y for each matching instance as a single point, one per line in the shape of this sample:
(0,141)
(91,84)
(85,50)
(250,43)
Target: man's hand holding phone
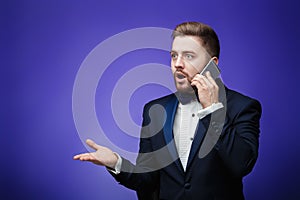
(207,88)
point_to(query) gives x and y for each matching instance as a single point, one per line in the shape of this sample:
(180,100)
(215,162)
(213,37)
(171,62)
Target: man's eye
(174,55)
(189,56)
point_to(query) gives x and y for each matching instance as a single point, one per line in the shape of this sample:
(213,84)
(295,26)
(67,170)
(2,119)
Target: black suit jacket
(228,138)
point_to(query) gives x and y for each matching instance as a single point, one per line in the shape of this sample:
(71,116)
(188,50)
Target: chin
(186,89)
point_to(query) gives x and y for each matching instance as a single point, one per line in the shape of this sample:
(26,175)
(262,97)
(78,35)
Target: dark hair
(205,33)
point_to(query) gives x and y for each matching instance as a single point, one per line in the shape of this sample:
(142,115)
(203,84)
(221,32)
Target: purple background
(44,43)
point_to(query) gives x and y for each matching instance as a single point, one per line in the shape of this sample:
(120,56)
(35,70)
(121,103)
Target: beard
(185,88)
(185,92)
(182,82)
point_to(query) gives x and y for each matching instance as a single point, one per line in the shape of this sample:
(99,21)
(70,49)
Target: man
(198,143)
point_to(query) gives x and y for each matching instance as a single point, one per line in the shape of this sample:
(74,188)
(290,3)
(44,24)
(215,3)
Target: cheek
(173,67)
(192,70)
(196,67)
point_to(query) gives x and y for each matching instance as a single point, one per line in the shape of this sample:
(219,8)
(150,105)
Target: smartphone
(213,68)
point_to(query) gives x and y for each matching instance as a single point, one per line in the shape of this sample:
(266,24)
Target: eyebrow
(184,52)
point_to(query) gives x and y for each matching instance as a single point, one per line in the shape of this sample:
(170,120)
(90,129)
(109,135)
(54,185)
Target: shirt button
(193,115)
(187,185)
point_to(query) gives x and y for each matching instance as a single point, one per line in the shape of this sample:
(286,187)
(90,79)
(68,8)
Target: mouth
(181,76)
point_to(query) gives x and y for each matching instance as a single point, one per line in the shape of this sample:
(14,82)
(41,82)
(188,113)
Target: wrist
(114,161)
(210,109)
(116,169)
(206,105)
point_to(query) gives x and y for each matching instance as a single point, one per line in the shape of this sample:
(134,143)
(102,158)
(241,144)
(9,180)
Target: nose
(179,63)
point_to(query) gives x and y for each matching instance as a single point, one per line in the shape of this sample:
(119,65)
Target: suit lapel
(171,108)
(200,132)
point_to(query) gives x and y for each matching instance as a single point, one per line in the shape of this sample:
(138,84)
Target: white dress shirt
(185,124)
(184,128)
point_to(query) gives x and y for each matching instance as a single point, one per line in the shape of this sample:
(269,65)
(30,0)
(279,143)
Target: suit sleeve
(238,143)
(141,177)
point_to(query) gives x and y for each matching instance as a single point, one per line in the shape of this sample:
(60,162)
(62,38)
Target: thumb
(92,144)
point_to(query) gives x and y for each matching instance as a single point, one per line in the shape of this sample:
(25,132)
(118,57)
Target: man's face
(188,58)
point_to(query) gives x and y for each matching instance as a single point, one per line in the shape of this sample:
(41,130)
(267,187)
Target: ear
(215,59)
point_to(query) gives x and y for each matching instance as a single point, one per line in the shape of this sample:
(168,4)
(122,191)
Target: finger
(203,82)
(198,78)
(210,78)
(202,87)
(77,157)
(91,157)
(215,88)
(92,144)
(206,85)
(212,81)
(197,84)
(207,81)
(87,157)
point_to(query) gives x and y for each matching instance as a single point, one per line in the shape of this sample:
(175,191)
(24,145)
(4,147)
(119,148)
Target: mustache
(185,74)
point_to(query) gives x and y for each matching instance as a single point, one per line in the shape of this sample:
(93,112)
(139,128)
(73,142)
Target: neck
(186,98)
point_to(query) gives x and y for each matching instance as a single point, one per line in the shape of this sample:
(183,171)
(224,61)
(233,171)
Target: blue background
(43,44)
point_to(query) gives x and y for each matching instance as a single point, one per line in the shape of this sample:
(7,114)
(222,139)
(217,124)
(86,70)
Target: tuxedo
(223,151)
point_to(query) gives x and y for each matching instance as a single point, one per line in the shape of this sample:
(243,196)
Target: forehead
(187,43)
